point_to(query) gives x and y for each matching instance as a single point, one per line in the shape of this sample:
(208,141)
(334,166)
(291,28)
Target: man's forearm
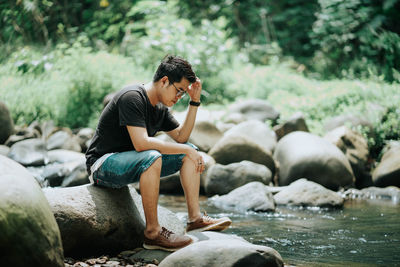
(188,124)
(163,147)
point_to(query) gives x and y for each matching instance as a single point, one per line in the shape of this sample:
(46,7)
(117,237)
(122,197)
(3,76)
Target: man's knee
(157,163)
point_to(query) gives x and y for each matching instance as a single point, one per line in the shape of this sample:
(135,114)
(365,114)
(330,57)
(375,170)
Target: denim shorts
(121,169)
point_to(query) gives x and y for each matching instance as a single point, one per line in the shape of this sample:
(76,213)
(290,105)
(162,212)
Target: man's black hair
(175,68)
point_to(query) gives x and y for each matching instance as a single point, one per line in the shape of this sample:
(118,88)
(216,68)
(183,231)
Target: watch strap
(193,103)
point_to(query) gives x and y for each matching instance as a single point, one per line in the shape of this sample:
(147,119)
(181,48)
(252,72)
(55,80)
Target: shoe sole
(214,227)
(164,248)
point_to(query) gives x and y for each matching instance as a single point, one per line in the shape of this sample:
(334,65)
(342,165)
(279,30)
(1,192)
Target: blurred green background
(324,58)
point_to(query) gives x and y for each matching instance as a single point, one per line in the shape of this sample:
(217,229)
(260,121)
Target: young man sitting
(124,150)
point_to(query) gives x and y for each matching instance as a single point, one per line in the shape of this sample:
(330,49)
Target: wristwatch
(193,103)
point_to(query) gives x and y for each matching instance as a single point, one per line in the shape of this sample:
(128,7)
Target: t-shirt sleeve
(169,122)
(131,108)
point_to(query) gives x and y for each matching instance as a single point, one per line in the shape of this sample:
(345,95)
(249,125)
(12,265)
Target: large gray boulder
(6,122)
(355,147)
(256,131)
(205,135)
(29,235)
(221,179)
(145,255)
(302,154)
(218,251)
(95,220)
(253,196)
(307,193)
(236,148)
(388,170)
(255,109)
(4,150)
(30,152)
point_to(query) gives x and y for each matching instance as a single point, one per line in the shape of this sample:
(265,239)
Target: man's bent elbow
(182,140)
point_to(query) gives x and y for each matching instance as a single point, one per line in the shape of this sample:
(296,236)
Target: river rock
(29,235)
(355,147)
(75,174)
(6,122)
(352,120)
(208,162)
(149,255)
(37,173)
(302,154)
(255,109)
(47,128)
(171,184)
(229,252)
(253,196)
(202,115)
(391,193)
(22,133)
(224,127)
(307,193)
(30,152)
(63,140)
(84,136)
(294,123)
(235,118)
(96,220)
(388,170)
(221,179)
(62,156)
(236,148)
(205,135)
(4,150)
(256,131)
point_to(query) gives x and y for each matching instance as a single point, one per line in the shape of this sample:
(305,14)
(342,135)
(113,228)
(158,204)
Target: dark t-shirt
(130,106)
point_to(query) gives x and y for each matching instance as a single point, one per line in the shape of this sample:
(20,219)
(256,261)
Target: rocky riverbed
(250,167)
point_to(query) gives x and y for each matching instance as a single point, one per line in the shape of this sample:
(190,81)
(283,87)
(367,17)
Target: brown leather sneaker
(167,240)
(206,223)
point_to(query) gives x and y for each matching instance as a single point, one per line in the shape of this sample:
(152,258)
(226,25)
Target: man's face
(174,91)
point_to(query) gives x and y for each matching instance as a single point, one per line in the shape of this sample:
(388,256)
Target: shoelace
(205,217)
(165,232)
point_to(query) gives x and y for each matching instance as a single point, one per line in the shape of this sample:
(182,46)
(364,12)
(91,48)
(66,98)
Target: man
(124,150)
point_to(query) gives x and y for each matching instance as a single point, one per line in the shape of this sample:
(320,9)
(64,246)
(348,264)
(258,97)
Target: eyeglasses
(179,92)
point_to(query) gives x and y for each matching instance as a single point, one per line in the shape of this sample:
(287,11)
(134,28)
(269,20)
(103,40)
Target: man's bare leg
(190,180)
(149,190)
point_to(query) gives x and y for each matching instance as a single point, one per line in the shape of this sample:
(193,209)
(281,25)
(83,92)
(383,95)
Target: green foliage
(71,91)
(388,128)
(161,32)
(260,25)
(357,38)
(30,21)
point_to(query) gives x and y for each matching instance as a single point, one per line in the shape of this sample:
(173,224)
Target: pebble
(105,261)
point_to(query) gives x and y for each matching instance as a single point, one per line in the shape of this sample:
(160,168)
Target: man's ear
(164,80)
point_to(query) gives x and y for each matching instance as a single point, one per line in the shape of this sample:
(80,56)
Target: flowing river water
(363,233)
